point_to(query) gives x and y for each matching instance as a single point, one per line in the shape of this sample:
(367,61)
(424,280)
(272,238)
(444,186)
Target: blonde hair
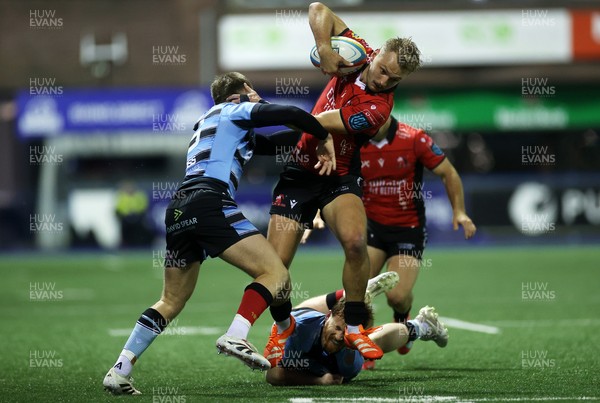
(409,55)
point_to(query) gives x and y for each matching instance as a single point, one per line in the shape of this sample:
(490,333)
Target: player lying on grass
(317,352)
(204,220)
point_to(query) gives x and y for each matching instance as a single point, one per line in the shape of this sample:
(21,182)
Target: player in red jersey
(394,196)
(352,108)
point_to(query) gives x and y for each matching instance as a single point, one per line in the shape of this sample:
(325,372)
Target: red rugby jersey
(363,113)
(393,172)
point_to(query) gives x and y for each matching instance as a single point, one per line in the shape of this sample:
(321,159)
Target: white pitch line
(474,327)
(175,331)
(545,322)
(427,398)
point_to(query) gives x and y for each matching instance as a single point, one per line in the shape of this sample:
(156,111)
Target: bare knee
(400,300)
(355,246)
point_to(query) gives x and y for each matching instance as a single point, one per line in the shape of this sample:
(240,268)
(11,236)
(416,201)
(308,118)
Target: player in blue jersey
(204,220)
(316,353)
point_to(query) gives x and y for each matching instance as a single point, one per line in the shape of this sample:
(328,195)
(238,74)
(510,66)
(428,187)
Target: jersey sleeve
(428,153)
(366,114)
(348,33)
(238,112)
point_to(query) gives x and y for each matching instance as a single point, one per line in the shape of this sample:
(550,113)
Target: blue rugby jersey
(221,144)
(224,138)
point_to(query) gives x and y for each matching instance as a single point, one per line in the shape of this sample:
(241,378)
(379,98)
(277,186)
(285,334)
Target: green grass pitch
(66,317)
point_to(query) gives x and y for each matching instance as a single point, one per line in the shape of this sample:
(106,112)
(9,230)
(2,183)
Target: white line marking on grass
(529,399)
(347,399)
(175,331)
(545,322)
(426,398)
(474,327)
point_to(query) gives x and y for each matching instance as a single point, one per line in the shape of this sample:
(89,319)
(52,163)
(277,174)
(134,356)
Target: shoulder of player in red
(422,144)
(348,33)
(365,112)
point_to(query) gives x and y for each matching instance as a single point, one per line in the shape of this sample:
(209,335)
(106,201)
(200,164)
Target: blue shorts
(202,222)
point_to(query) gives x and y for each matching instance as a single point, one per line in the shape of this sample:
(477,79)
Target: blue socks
(146,329)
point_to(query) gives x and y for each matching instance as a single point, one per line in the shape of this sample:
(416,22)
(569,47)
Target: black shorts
(202,222)
(299,193)
(397,240)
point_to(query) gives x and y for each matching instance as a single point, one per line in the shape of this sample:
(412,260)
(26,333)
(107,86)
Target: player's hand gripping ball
(349,49)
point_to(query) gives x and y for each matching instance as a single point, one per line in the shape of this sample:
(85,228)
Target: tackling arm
(454,190)
(332,121)
(276,143)
(273,115)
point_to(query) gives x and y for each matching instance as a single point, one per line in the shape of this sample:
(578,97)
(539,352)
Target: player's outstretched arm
(284,377)
(276,143)
(324,24)
(332,121)
(273,115)
(454,190)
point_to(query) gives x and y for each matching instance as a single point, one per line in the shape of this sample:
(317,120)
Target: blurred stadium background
(98,100)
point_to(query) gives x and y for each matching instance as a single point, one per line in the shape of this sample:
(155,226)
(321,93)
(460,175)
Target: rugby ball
(349,49)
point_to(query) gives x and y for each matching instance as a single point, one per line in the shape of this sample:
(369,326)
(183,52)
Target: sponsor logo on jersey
(345,147)
(436,150)
(279,200)
(177,213)
(359,121)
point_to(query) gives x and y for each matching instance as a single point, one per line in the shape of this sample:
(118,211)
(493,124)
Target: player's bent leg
(400,298)
(284,235)
(375,286)
(179,284)
(318,303)
(426,326)
(256,257)
(390,336)
(346,218)
(377,259)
